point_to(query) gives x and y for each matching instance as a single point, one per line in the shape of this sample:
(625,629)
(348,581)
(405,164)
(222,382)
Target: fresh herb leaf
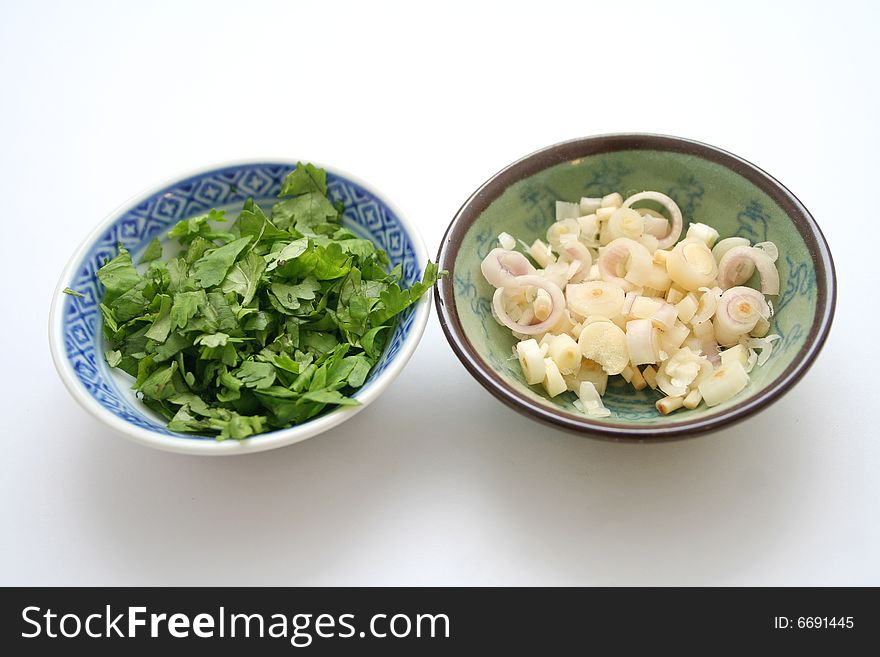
(303,179)
(152,252)
(212,267)
(258,328)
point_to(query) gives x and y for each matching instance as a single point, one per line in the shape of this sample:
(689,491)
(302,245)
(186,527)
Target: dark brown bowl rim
(826,286)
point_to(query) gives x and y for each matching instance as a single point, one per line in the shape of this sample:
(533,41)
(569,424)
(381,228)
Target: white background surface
(435,483)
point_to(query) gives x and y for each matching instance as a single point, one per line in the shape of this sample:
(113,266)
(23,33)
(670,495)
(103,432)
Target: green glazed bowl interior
(710,186)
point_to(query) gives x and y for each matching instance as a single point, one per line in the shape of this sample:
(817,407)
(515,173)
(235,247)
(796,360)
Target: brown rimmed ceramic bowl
(710,186)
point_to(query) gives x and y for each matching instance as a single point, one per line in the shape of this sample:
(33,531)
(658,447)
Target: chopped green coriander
(73,293)
(260,326)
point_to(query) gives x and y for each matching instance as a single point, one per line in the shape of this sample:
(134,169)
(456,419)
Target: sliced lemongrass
(675,294)
(627,373)
(672,339)
(725,245)
(507,241)
(702,233)
(570,248)
(625,222)
(671,207)
(706,333)
(664,317)
(658,279)
(531,360)
(707,305)
(562,228)
(557,272)
(501,266)
(594,298)
(591,400)
(638,381)
(752,360)
(723,383)
(613,200)
(691,265)
(649,242)
(553,382)
(770,249)
(737,353)
(761,329)
(603,214)
(734,266)
(515,311)
(566,353)
(765,345)
(693,399)
(589,371)
(589,205)
(659,257)
(656,224)
(542,305)
(541,253)
(566,210)
(605,343)
(556,296)
(669,404)
(687,307)
(739,310)
(650,376)
(641,341)
(589,229)
(644,307)
(628,302)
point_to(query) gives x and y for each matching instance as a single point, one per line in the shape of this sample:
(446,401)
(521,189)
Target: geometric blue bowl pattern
(135,227)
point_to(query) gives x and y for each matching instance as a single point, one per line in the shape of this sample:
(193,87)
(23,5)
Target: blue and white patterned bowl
(75,334)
